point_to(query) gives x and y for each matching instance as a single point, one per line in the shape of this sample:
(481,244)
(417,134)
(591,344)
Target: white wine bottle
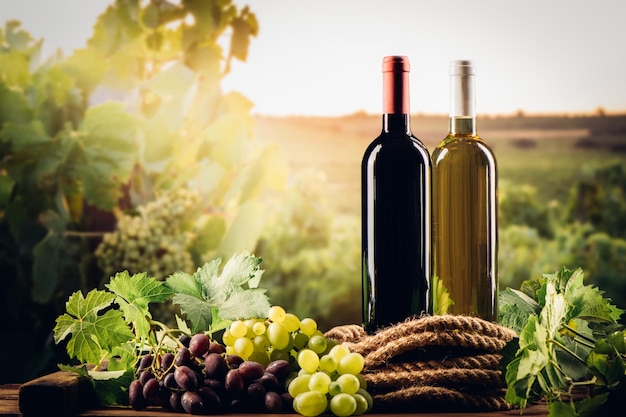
(396,236)
(465,246)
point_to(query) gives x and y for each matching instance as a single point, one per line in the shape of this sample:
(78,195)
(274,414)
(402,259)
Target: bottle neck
(394,122)
(396,94)
(462,99)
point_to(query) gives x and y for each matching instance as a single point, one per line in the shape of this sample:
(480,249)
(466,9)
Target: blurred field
(545,151)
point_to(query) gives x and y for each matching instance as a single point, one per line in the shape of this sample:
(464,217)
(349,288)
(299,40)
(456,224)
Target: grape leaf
(93,333)
(514,309)
(210,298)
(134,294)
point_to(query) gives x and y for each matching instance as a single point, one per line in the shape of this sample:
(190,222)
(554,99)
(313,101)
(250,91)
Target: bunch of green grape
(156,240)
(327,376)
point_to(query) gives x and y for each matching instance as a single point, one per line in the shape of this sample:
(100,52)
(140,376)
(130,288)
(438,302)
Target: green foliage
(518,205)
(134,294)
(599,198)
(100,326)
(557,348)
(93,333)
(211,300)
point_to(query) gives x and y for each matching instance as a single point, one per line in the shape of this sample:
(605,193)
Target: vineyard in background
(127,155)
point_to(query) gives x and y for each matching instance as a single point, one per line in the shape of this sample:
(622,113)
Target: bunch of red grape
(200,378)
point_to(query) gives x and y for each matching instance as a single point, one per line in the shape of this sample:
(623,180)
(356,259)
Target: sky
(323,57)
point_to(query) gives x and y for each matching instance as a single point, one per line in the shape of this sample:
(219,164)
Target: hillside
(545,151)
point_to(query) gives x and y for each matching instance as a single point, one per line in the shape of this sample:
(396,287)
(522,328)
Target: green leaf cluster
(111,328)
(568,337)
(211,299)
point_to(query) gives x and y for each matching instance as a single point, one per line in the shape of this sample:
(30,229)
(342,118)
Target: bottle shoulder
(396,144)
(457,145)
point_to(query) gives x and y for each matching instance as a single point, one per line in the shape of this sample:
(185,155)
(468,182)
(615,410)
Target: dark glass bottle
(465,206)
(395,207)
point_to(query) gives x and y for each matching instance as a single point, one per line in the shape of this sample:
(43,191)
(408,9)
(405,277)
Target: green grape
(327,364)
(249,325)
(291,322)
(276,314)
(258,328)
(260,357)
(261,343)
(300,340)
(334,388)
(238,328)
(352,363)
(361,404)
(317,344)
(338,352)
(278,336)
(244,347)
(349,383)
(308,326)
(367,396)
(308,360)
(343,405)
(228,338)
(362,381)
(319,381)
(276,354)
(298,385)
(311,403)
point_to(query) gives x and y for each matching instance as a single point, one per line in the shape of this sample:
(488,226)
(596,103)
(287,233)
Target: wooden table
(9,406)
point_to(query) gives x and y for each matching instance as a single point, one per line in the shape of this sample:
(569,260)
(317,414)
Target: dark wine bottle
(395,207)
(464,210)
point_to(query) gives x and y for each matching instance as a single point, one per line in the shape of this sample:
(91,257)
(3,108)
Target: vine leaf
(94,333)
(209,299)
(134,294)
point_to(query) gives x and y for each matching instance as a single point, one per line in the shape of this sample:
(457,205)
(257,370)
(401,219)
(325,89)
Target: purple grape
(151,389)
(216,385)
(199,344)
(215,347)
(255,394)
(211,399)
(234,383)
(184,339)
(192,402)
(167,360)
(273,402)
(234,360)
(169,381)
(251,370)
(135,395)
(280,368)
(186,378)
(215,366)
(145,361)
(175,404)
(269,382)
(183,357)
(145,376)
